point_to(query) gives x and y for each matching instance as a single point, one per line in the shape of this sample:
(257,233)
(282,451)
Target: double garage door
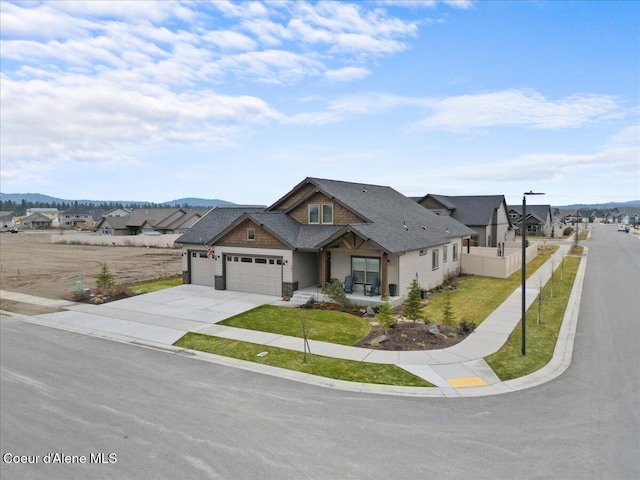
(244,273)
(253,274)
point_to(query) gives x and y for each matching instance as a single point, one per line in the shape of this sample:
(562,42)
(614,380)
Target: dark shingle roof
(215,222)
(394,222)
(541,212)
(471,209)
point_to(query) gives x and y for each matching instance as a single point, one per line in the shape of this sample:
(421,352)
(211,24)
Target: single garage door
(202,272)
(254,274)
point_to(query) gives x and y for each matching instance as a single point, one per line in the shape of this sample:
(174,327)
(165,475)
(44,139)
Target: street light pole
(523,227)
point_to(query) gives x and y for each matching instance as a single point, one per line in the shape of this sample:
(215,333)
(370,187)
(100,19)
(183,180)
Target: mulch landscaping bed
(412,336)
(405,335)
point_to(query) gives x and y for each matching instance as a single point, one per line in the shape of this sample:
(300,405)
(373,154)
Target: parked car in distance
(622,227)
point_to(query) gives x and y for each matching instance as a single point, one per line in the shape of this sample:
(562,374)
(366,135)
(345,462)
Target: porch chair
(374,289)
(348,284)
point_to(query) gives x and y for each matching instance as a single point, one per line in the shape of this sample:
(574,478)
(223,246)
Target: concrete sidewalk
(159,319)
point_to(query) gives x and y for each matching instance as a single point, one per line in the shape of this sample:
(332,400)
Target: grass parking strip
(508,362)
(348,370)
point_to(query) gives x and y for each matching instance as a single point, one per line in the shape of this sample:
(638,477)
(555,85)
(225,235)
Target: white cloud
(228,40)
(347,74)
(473,113)
(620,153)
(516,108)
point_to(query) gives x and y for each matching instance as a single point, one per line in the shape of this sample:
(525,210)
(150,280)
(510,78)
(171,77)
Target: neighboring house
(627,216)
(36,220)
(539,219)
(75,217)
(147,220)
(52,213)
(116,212)
(7,220)
(113,226)
(487,215)
(319,230)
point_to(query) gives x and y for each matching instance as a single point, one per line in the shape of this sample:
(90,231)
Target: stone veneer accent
(186,277)
(219,282)
(288,288)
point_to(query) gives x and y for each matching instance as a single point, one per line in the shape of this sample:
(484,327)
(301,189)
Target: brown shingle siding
(341,215)
(238,236)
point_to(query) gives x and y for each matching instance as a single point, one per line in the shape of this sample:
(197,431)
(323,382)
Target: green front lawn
(477,297)
(338,369)
(323,325)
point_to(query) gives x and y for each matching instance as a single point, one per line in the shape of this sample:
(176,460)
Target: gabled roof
(117,223)
(472,210)
(37,217)
(153,216)
(215,222)
(541,212)
(394,222)
(444,200)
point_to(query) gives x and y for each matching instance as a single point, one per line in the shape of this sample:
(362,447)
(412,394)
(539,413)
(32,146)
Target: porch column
(323,269)
(384,281)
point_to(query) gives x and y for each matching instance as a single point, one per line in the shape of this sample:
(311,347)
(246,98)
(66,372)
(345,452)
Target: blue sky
(153,101)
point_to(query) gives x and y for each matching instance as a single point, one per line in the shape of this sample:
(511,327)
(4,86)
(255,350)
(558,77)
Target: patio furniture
(348,284)
(373,289)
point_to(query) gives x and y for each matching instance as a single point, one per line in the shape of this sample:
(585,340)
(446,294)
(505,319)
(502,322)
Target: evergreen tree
(411,306)
(447,311)
(384,317)
(105,279)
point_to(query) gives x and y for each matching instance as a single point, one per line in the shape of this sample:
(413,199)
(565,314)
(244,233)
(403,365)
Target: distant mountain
(630,203)
(197,202)
(40,198)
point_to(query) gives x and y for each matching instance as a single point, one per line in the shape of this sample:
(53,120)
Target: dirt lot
(31,264)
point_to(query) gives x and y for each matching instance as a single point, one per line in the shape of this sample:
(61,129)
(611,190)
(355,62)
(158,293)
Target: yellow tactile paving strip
(466,382)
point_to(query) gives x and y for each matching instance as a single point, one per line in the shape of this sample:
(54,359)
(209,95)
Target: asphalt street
(171,416)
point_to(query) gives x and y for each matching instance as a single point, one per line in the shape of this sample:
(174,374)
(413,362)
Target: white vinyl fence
(485,261)
(157,241)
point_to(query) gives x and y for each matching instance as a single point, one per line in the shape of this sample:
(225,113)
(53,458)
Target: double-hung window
(314,213)
(455,252)
(327,213)
(365,269)
(321,213)
(434,260)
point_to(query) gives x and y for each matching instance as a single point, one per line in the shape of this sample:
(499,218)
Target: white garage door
(254,274)
(202,272)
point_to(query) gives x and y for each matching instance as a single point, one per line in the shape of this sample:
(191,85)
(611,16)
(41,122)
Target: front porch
(356,298)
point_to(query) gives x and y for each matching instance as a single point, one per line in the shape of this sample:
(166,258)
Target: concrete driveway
(160,317)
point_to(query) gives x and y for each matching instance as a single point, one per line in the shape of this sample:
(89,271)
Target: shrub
(466,326)
(336,293)
(567,231)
